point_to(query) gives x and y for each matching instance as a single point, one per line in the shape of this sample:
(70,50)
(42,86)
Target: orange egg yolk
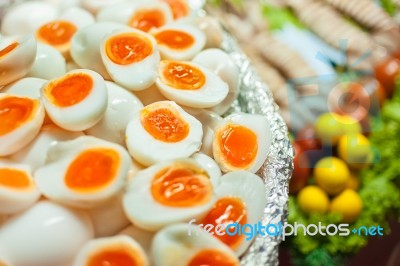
(92,170)
(174,39)
(181,186)
(56,32)
(179,8)
(146,19)
(164,124)
(226,211)
(183,76)
(238,145)
(128,48)
(70,90)
(14,179)
(115,257)
(212,257)
(15,111)
(6,50)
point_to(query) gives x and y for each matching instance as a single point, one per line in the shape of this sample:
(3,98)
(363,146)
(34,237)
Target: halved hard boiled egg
(17,56)
(162,131)
(131,58)
(242,142)
(180,8)
(190,84)
(150,95)
(21,119)
(169,192)
(117,250)
(17,188)
(209,121)
(86,42)
(35,153)
(84,172)
(49,63)
(47,234)
(241,200)
(193,247)
(122,105)
(221,64)
(58,33)
(77,100)
(142,15)
(149,15)
(179,41)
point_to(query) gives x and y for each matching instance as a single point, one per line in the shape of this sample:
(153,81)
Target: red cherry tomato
(307,139)
(301,171)
(386,73)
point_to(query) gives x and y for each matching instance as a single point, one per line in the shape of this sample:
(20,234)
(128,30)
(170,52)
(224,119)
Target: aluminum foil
(255,98)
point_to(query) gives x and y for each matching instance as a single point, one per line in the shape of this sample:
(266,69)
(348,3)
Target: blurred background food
(333,67)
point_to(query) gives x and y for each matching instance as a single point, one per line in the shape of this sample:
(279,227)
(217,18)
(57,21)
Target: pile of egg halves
(113,150)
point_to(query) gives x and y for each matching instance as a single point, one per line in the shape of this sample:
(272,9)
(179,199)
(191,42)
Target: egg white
(26,17)
(53,225)
(27,87)
(100,216)
(221,64)
(122,105)
(49,63)
(35,153)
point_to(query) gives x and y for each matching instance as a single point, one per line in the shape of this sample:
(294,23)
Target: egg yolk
(115,257)
(174,39)
(14,112)
(179,8)
(92,170)
(128,48)
(164,124)
(238,145)
(6,50)
(56,32)
(183,76)
(146,19)
(69,90)
(212,257)
(181,186)
(14,179)
(226,211)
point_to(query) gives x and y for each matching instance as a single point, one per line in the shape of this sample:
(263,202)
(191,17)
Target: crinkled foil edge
(256,98)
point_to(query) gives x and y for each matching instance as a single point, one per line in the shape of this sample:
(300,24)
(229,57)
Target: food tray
(256,98)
